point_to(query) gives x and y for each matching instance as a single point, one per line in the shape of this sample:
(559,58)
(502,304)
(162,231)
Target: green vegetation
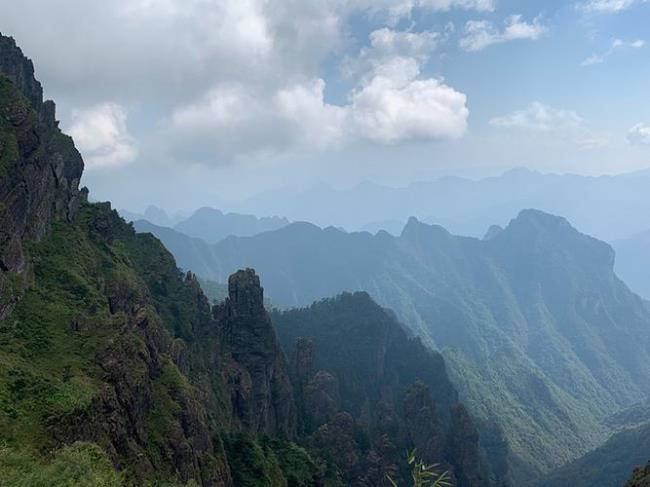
(48,344)
(611,464)
(424,475)
(75,309)
(268,462)
(78,465)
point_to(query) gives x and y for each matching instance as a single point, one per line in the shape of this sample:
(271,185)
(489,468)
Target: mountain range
(539,333)
(468,207)
(209,224)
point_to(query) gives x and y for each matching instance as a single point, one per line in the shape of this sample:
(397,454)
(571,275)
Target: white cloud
(444,5)
(480,34)
(539,117)
(395,105)
(317,123)
(101,136)
(617,44)
(639,134)
(387,43)
(390,103)
(238,78)
(394,10)
(609,6)
(241,122)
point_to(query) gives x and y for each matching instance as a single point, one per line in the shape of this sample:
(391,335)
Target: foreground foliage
(424,475)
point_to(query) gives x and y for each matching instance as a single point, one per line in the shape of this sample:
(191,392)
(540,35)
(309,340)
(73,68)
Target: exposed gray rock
(39,166)
(261,392)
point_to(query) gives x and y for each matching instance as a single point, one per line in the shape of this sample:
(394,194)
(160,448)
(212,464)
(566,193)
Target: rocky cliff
(39,167)
(102,340)
(260,389)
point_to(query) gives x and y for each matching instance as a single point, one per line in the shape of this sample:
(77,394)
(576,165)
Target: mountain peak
(40,177)
(535,222)
(246,295)
(207,211)
(492,232)
(20,71)
(534,230)
(414,228)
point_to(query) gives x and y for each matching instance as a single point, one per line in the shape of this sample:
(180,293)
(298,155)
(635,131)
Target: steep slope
(610,465)
(39,170)
(358,373)
(541,335)
(108,355)
(633,262)
(190,253)
(211,225)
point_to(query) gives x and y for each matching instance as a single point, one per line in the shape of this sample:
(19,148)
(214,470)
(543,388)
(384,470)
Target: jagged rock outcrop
(144,412)
(302,362)
(100,330)
(259,384)
(40,169)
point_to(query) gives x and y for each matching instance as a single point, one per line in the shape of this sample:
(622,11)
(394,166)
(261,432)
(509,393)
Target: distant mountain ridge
(153,214)
(540,334)
(212,225)
(469,207)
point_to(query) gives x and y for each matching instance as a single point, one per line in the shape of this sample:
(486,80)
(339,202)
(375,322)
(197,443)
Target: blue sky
(198,102)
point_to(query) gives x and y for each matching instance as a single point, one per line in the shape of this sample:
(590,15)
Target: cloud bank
(480,34)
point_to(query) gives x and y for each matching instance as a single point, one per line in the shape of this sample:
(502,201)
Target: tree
(424,475)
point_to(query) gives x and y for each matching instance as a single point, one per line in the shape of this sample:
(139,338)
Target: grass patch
(79,465)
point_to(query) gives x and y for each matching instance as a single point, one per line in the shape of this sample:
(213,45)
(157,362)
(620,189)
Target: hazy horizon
(190,104)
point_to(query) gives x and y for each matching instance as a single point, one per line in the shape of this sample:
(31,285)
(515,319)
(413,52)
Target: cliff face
(39,167)
(260,390)
(102,339)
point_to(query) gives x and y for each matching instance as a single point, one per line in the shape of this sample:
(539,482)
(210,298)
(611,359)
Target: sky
(188,103)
